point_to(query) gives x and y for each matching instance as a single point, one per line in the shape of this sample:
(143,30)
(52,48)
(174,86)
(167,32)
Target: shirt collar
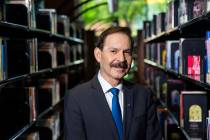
(105,85)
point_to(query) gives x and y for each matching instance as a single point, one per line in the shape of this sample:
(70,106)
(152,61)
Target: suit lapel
(128,108)
(103,106)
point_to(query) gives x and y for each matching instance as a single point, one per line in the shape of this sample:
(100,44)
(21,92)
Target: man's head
(114,53)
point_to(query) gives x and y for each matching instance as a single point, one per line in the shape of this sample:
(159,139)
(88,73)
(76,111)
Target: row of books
(187,56)
(18,57)
(21,106)
(178,12)
(188,105)
(48,128)
(32,14)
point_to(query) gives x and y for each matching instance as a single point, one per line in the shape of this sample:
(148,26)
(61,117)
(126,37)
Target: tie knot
(114,91)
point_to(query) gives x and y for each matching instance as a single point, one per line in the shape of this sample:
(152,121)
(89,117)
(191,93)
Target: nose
(121,56)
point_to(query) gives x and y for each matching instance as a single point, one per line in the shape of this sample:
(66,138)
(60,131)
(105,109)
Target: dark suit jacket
(88,116)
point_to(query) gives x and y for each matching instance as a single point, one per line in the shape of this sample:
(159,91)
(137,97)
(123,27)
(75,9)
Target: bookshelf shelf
(34,123)
(41,52)
(19,31)
(188,29)
(194,80)
(40,72)
(171,115)
(177,59)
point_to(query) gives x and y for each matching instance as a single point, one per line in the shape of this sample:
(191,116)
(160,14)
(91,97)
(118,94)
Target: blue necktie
(116,112)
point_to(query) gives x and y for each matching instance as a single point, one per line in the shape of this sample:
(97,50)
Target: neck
(113,82)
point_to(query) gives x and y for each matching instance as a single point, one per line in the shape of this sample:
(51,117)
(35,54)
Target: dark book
(177,60)
(171,131)
(160,23)
(63,80)
(18,109)
(153,51)
(153,27)
(174,88)
(47,20)
(48,94)
(192,53)
(3,59)
(47,55)
(160,82)
(2,3)
(147,29)
(31,136)
(193,113)
(73,30)
(171,47)
(33,48)
(20,12)
(175,14)
(49,128)
(63,25)
(63,53)
(19,57)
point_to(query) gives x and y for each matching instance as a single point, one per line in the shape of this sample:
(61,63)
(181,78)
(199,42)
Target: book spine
(208,58)
(181,111)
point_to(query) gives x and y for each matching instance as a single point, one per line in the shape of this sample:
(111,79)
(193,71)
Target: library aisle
(47,46)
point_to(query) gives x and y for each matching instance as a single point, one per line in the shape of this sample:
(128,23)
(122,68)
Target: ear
(97,54)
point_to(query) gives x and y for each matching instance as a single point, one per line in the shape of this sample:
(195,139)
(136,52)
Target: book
(208,126)
(160,81)
(50,127)
(171,47)
(207,46)
(20,12)
(63,53)
(33,135)
(48,93)
(33,51)
(2,3)
(161,53)
(18,107)
(3,59)
(174,88)
(73,32)
(192,55)
(153,27)
(160,26)
(46,19)
(193,113)
(63,25)
(20,53)
(147,29)
(177,60)
(63,80)
(48,53)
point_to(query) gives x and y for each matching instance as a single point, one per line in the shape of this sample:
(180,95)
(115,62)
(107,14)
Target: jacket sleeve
(73,120)
(153,128)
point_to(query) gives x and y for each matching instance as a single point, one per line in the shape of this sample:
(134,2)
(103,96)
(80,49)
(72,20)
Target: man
(107,107)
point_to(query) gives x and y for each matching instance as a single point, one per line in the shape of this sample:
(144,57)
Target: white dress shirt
(106,89)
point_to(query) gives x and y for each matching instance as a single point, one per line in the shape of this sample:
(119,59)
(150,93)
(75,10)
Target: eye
(113,51)
(127,52)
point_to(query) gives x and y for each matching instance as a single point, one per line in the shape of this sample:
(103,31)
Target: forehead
(117,39)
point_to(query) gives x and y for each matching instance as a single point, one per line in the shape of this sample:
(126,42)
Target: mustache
(123,65)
